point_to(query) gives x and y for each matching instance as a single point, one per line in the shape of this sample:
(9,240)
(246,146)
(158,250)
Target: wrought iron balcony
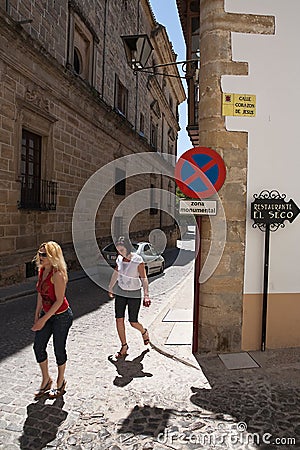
(37,194)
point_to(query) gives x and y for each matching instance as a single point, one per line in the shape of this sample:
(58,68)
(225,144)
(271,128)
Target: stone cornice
(181,7)
(149,12)
(239,23)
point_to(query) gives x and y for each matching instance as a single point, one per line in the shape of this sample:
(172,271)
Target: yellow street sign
(243,105)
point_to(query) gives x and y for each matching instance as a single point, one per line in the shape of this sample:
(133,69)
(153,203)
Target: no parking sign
(200,172)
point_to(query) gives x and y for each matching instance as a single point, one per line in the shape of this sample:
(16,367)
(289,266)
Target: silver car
(154,262)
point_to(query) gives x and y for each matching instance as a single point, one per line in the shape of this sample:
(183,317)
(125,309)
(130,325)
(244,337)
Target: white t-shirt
(128,275)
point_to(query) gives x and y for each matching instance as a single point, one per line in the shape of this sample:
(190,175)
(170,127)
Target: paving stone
(11,447)
(98,414)
(72,440)
(14,427)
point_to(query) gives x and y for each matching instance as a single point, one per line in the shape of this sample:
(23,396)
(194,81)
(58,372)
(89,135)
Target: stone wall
(80,129)
(221,297)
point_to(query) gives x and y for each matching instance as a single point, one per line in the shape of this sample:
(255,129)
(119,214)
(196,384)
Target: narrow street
(102,395)
(148,401)
(86,297)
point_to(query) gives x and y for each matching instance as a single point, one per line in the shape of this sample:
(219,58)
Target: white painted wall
(274,134)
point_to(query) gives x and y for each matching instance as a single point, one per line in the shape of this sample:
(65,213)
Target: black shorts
(132,299)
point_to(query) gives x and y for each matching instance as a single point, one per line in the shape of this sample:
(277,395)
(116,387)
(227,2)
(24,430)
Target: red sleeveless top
(46,289)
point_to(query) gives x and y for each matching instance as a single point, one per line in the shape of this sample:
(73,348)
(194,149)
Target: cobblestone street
(149,176)
(148,401)
(107,403)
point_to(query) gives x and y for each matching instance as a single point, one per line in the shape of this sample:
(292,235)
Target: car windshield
(111,248)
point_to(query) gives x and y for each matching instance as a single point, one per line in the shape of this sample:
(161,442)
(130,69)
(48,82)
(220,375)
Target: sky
(166,13)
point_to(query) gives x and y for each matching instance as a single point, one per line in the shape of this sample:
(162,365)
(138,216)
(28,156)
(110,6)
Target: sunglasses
(43,255)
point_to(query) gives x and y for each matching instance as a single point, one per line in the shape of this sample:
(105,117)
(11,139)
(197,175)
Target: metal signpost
(269,211)
(199,173)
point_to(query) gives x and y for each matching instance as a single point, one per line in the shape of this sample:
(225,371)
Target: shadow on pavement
(128,370)
(179,257)
(42,423)
(16,316)
(146,420)
(85,296)
(262,404)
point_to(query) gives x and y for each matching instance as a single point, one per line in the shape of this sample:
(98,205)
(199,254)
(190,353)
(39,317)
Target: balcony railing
(37,194)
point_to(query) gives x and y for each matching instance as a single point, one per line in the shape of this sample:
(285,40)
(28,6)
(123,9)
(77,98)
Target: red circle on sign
(200,172)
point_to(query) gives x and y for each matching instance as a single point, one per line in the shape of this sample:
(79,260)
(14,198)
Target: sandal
(44,390)
(147,340)
(120,354)
(58,392)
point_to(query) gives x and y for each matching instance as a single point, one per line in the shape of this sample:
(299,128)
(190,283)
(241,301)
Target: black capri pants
(58,325)
(131,299)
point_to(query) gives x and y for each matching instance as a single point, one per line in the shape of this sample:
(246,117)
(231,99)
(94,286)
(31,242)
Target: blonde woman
(53,316)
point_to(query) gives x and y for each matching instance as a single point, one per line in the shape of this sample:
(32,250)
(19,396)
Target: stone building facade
(69,105)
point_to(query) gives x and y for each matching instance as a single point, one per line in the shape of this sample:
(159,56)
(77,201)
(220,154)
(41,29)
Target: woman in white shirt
(131,276)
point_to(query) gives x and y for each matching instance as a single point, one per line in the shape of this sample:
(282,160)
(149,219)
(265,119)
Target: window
(171,140)
(81,46)
(83,51)
(156,109)
(121,97)
(153,204)
(194,6)
(78,66)
(30,168)
(164,79)
(193,45)
(120,182)
(35,193)
(170,147)
(142,124)
(111,248)
(149,250)
(153,134)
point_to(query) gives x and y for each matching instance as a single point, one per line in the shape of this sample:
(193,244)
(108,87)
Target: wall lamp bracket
(138,49)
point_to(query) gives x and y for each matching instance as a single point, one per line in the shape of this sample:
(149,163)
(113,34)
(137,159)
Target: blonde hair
(56,257)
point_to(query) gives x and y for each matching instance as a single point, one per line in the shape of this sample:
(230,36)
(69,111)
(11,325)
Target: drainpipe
(197,270)
(136,75)
(160,200)
(104,47)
